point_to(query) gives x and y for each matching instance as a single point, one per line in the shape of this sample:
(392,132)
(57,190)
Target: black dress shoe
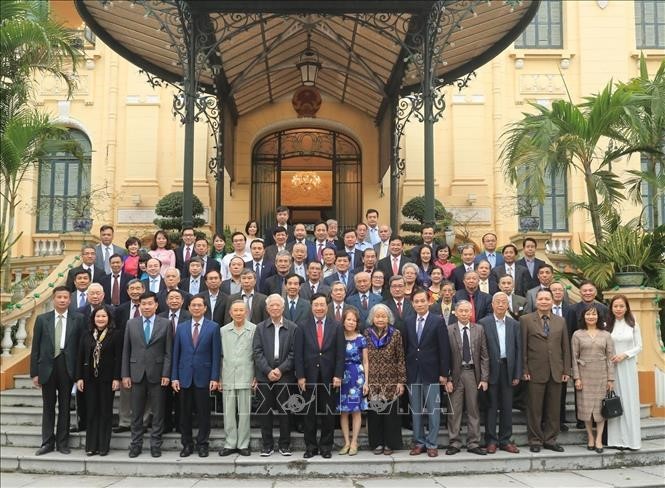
(155,452)
(120,428)
(452,450)
(244,452)
(326,454)
(103,453)
(44,450)
(310,453)
(186,451)
(534,448)
(91,453)
(227,452)
(563,428)
(553,447)
(64,450)
(203,451)
(477,450)
(134,452)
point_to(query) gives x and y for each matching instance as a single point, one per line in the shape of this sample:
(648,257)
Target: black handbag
(611,406)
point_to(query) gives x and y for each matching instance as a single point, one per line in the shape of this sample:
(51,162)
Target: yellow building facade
(137,144)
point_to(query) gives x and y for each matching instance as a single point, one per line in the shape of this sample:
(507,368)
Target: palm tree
(30,43)
(646,127)
(569,138)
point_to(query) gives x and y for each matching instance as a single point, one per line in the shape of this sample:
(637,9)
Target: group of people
(296,330)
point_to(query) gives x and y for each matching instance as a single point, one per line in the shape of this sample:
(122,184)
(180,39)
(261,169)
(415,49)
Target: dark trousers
(58,386)
(543,412)
(81,409)
(171,410)
(99,402)
(384,428)
(322,407)
(273,397)
(501,399)
(190,398)
(141,393)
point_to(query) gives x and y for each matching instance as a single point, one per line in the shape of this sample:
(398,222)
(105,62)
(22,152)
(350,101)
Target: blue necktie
(146,330)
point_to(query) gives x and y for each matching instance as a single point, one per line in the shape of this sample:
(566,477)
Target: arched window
(64,186)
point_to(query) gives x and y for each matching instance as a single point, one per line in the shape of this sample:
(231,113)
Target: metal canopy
(367,48)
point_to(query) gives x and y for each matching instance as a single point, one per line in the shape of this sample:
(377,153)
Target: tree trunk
(653,191)
(592,198)
(8,236)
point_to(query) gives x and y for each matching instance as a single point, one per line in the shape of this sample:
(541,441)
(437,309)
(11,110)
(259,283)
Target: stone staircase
(20,436)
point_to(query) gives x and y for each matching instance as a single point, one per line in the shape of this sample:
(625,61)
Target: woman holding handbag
(624,431)
(593,372)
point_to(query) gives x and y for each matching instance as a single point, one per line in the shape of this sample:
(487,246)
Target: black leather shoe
(553,447)
(64,450)
(244,452)
(227,452)
(134,452)
(326,454)
(103,453)
(155,452)
(203,451)
(91,453)
(534,448)
(309,453)
(120,428)
(186,451)
(477,450)
(44,450)
(452,450)
(563,428)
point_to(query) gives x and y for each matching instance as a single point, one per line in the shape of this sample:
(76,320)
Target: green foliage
(169,210)
(414,209)
(627,248)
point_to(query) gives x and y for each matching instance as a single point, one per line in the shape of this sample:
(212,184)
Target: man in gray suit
(255,302)
(504,345)
(146,369)
(55,343)
(105,249)
(314,283)
(296,309)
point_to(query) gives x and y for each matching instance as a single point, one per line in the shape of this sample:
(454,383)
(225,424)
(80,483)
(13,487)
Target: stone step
(24,397)
(365,463)
(30,436)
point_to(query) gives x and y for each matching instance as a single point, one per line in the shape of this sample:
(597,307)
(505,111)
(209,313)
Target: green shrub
(169,211)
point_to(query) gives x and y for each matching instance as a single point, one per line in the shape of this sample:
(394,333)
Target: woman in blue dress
(354,389)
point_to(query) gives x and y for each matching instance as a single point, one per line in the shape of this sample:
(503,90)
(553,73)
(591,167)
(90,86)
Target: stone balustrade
(48,246)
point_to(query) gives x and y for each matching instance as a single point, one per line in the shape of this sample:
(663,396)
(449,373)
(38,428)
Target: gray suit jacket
(513,348)
(479,352)
(531,299)
(306,291)
(99,258)
(258,313)
(151,361)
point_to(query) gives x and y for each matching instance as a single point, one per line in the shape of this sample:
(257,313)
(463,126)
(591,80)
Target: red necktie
(319,333)
(364,302)
(115,294)
(338,313)
(136,311)
(399,308)
(473,309)
(319,254)
(395,267)
(173,324)
(195,334)
(188,254)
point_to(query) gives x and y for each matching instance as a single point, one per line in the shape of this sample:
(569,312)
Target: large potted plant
(628,256)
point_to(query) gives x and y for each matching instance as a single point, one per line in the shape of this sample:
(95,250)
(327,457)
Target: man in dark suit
(369,261)
(215,300)
(333,238)
(489,254)
(588,292)
(398,305)
(146,368)
(255,302)
(280,239)
(115,283)
(261,266)
(362,299)
(193,283)
(546,354)
(105,249)
(392,264)
(469,374)
(382,248)
(486,280)
(87,263)
(319,363)
(320,243)
(504,345)
(232,285)
(53,357)
(530,261)
(297,310)
(275,283)
(516,303)
(427,236)
(519,273)
(468,256)
(314,283)
(481,303)
(337,304)
(202,250)
(343,273)
(275,370)
(154,282)
(195,373)
(175,313)
(355,255)
(545,279)
(172,282)
(79,296)
(427,355)
(281,220)
(300,237)
(185,251)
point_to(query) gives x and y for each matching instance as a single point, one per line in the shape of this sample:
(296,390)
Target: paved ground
(648,476)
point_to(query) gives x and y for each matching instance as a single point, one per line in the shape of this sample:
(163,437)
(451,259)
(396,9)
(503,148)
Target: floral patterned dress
(351,395)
